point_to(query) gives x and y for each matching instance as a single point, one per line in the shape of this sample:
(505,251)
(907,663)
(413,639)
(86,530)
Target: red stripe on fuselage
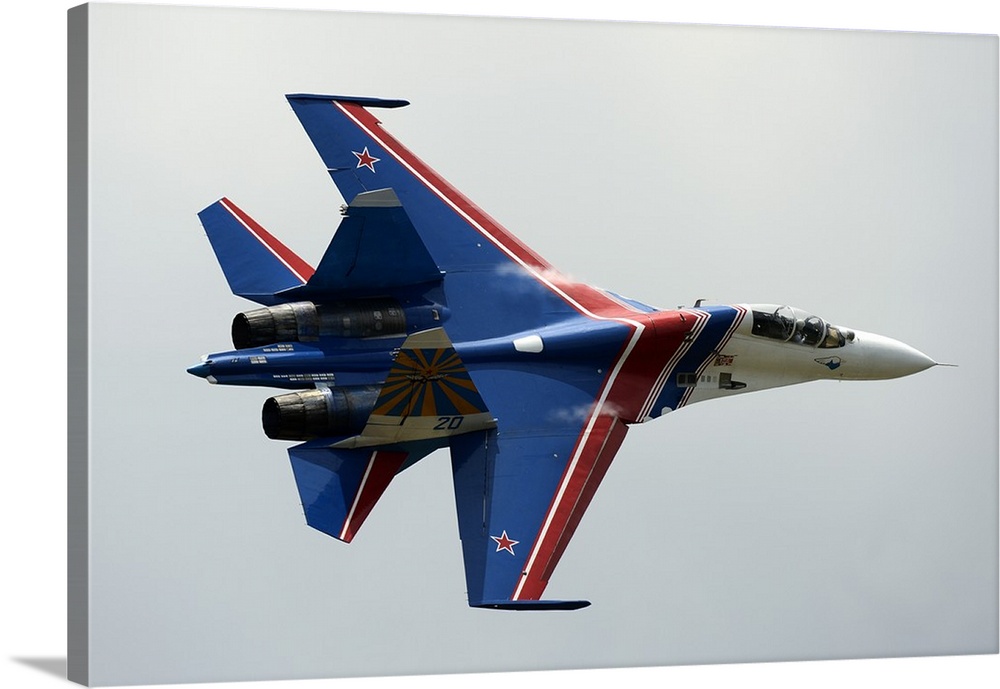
(646,367)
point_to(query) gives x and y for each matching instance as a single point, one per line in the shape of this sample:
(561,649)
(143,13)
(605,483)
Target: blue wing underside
(490,285)
(521,487)
(520,495)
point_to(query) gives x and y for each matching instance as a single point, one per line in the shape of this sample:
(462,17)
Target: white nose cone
(883,357)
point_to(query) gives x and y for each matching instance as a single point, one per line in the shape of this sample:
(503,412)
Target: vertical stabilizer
(255,263)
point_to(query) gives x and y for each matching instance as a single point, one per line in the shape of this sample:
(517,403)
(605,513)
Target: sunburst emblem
(428,382)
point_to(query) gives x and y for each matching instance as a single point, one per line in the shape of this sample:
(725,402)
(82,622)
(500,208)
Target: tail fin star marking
(475,216)
(365,159)
(505,543)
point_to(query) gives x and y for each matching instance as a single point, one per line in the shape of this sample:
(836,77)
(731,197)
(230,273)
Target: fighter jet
(427,325)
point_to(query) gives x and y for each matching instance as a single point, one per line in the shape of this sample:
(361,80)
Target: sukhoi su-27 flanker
(427,325)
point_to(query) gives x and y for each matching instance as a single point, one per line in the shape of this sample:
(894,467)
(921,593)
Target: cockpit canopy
(788,324)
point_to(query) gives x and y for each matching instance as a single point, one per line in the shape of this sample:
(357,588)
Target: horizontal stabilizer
(533,604)
(364,101)
(339,488)
(255,263)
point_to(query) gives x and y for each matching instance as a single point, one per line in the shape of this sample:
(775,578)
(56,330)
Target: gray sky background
(852,174)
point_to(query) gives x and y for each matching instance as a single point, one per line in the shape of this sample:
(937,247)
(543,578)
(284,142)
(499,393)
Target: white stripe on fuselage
(661,380)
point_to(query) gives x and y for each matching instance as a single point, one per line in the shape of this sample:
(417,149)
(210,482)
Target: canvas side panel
(77,666)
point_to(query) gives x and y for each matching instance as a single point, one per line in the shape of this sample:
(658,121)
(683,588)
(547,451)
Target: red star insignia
(365,159)
(504,543)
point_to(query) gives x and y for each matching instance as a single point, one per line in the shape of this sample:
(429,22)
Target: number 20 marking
(448,423)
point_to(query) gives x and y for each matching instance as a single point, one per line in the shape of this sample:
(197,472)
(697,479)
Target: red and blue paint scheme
(427,325)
